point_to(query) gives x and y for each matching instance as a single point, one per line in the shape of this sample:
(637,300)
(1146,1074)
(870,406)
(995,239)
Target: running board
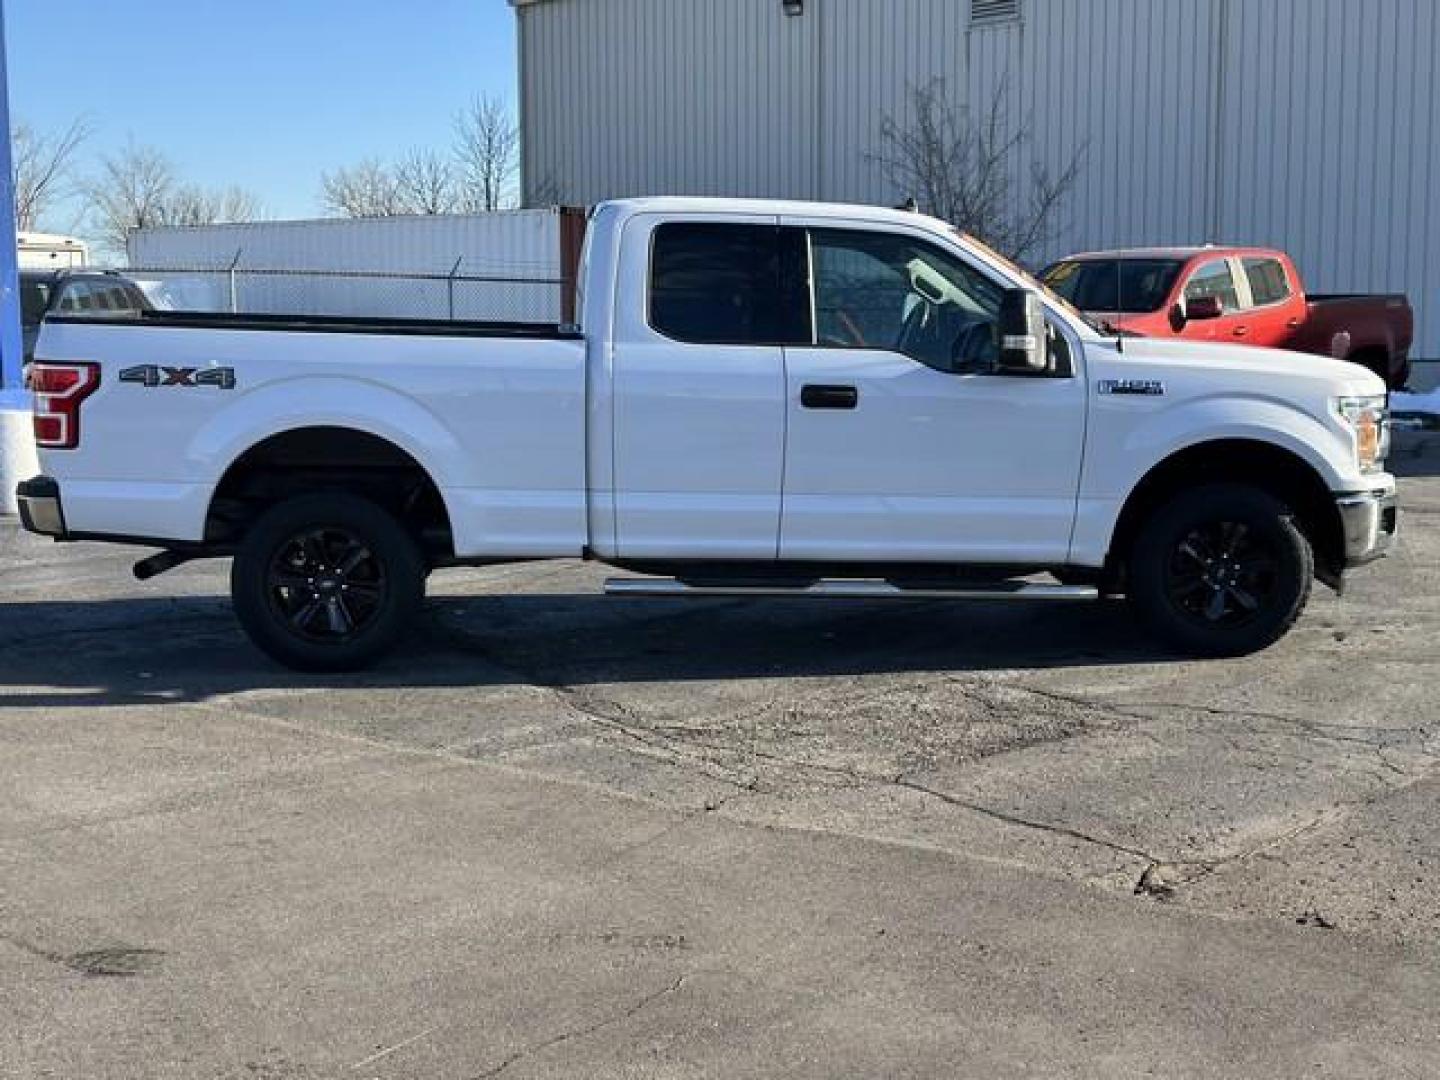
(845,589)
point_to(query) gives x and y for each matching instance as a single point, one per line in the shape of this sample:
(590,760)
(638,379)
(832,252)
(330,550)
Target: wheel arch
(329,457)
(1253,462)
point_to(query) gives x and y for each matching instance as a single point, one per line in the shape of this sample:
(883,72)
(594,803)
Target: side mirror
(1203,307)
(1022,334)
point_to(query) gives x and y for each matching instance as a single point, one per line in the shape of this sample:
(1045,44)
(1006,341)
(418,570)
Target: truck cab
(760,398)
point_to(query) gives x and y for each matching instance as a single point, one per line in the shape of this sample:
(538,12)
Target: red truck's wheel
(1221,570)
(326,582)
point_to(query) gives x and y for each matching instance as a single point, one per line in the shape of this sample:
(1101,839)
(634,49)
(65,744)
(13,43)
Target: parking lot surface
(565,835)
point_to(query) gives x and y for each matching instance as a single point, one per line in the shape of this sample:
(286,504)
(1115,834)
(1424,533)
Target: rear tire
(326,582)
(1221,570)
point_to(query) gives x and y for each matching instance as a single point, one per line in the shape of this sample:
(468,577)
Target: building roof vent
(989,12)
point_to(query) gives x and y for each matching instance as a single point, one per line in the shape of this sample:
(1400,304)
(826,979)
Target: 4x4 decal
(158,375)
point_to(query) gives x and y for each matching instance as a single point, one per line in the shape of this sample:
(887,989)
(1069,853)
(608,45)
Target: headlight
(1369,418)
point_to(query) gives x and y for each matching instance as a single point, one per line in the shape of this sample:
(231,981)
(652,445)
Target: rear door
(1217,277)
(1276,307)
(699,389)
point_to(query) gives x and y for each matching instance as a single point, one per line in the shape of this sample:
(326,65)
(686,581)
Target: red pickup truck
(1241,294)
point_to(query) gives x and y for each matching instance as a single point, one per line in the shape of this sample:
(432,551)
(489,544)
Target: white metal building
(1312,125)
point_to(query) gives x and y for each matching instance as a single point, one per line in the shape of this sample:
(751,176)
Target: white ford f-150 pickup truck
(760,398)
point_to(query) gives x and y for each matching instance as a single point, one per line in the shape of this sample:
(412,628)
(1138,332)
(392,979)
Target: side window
(716,284)
(75,296)
(1267,281)
(118,300)
(877,290)
(1214,279)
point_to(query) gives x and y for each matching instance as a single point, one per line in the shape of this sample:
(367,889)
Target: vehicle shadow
(140,651)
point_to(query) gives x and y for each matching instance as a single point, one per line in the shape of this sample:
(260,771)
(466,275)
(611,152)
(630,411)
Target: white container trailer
(48,251)
(509,265)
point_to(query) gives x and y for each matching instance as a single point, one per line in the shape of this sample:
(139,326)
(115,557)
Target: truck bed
(496,410)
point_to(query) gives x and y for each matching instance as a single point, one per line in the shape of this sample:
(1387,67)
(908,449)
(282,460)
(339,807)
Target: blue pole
(10,340)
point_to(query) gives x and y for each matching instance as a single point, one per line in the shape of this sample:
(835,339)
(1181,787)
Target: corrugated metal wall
(1332,144)
(1307,124)
(718,96)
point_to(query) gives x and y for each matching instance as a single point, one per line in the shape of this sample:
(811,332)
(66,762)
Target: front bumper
(1369,520)
(40,510)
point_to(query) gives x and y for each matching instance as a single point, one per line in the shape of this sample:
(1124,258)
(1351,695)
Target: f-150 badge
(1142,387)
(159,375)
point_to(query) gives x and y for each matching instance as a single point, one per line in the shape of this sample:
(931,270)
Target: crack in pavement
(899,780)
(589,1029)
(1191,869)
(1025,823)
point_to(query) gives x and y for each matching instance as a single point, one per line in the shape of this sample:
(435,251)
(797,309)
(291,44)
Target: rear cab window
(717,283)
(96,296)
(75,297)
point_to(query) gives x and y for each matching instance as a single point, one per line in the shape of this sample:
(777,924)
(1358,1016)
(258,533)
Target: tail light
(59,389)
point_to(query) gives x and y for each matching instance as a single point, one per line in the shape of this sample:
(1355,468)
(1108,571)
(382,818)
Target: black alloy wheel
(1220,570)
(326,582)
(1222,573)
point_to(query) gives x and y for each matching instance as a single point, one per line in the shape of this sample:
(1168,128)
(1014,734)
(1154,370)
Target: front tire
(1221,570)
(326,582)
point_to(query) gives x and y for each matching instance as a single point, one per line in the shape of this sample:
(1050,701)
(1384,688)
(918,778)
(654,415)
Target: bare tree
(190,204)
(131,191)
(364,190)
(136,188)
(486,145)
(963,166)
(43,164)
(425,183)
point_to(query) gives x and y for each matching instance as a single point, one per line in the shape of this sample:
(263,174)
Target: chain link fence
(373,294)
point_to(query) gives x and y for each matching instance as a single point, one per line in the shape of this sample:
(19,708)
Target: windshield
(34,298)
(1126,286)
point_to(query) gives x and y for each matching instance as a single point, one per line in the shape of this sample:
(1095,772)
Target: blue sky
(266,94)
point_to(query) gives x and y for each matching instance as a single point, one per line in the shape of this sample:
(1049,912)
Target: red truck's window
(1267,280)
(1215,279)
(1129,286)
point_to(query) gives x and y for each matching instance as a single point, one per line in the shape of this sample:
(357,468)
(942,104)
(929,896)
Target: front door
(699,391)
(901,445)
(1216,277)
